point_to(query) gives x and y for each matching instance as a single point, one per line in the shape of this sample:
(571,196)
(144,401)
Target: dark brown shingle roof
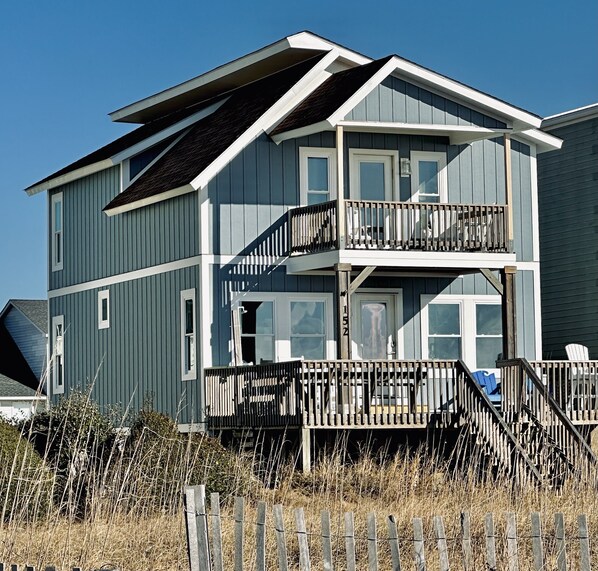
(211,136)
(327,98)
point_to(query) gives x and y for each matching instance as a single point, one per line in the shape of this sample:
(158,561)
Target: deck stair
(530,437)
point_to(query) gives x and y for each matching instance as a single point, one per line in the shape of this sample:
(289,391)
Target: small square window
(104,309)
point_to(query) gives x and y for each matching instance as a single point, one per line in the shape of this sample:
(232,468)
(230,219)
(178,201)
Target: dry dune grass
(125,526)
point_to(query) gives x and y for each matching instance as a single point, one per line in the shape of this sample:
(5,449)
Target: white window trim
(104,295)
(440,157)
(191,374)
(282,319)
(318,152)
(57,350)
(372,154)
(467,315)
(56,266)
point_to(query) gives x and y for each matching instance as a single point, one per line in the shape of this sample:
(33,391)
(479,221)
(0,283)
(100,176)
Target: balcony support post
(343,310)
(509,313)
(340,189)
(508,190)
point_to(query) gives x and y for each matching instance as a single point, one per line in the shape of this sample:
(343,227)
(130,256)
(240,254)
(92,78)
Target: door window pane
(307,329)
(372,180)
(488,335)
(374,330)
(257,332)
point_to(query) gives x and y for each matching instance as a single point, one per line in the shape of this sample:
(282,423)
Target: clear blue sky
(65,64)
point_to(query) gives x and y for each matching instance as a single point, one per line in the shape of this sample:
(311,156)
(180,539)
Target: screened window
(317,175)
(57,228)
(257,331)
(488,335)
(444,331)
(307,329)
(188,329)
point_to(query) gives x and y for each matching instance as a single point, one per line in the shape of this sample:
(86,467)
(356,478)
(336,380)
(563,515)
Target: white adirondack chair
(581,377)
(577,352)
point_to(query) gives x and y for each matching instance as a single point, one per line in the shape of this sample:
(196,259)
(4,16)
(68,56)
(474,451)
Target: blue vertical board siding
(568,207)
(138,358)
(403,102)
(97,246)
(29,339)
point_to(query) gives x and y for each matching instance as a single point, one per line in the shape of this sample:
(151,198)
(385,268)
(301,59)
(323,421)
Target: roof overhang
(570,117)
(266,61)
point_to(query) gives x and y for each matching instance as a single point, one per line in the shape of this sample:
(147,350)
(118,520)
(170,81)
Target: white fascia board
(303,131)
(70,176)
(186,189)
(308,41)
(304,87)
(458,134)
(173,129)
(443,260)
(543,141)
(571,116)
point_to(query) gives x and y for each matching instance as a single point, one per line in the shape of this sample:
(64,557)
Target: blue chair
(488,382)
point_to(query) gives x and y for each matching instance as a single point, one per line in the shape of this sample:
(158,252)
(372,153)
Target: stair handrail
(466,381)
(556,409)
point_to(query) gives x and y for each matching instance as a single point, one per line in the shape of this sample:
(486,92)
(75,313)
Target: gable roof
(210,137)
(13,364)
(36,310)
(11,388)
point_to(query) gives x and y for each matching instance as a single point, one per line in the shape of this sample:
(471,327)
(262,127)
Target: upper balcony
(402,233)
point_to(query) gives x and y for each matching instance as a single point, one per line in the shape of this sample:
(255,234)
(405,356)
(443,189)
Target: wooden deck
(533,435)
(400,226)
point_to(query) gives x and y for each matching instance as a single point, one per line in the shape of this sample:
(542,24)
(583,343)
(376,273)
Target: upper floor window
(188,329)
(317,175)
(56,241)
(428,177)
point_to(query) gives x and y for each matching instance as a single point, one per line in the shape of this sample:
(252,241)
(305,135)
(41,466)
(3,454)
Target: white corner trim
(70,177)
(534,205)
(305,86)
(538,312)
(126,277)
(150,200)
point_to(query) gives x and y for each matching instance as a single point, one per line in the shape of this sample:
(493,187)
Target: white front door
(374,326)
(372,176)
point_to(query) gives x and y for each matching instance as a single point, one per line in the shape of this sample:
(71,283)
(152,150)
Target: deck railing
(529,401)
(401,226)
(332,393)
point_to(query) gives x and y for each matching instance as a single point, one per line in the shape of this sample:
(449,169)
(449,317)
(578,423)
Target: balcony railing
(401,226)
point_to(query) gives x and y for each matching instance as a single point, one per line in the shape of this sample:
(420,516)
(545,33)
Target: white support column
(509,189)
(340,189)
(306,450)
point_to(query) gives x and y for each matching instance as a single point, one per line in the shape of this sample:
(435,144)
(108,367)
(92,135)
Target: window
(428,177)
(257,332)
(56,237)
(104,309)
(277,327)
(317,175)
(307,330)
(57,354)
(188,329)
(467,327)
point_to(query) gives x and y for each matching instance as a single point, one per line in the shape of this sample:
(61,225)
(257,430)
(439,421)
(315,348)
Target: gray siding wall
(397,100)
(236,278)
(568,204)
(97,246)
(29,339)
(139,356)
(251,195)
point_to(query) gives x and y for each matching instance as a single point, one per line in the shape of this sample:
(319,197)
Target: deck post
(343,310)
(340,189)
(509,313)
(305,450)
(508,190)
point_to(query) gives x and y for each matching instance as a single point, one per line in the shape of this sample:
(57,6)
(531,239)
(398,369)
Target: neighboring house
(23,355)
(568,199)
(214,236)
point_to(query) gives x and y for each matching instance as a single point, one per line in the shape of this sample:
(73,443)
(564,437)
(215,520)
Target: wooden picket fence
(423,553)
(15,567)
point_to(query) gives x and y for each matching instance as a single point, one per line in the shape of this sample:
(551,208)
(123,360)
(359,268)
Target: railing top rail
(562,362)
(351,201)
(308,207)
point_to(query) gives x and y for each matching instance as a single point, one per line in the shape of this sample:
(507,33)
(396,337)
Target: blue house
(309,239)
(23,357)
